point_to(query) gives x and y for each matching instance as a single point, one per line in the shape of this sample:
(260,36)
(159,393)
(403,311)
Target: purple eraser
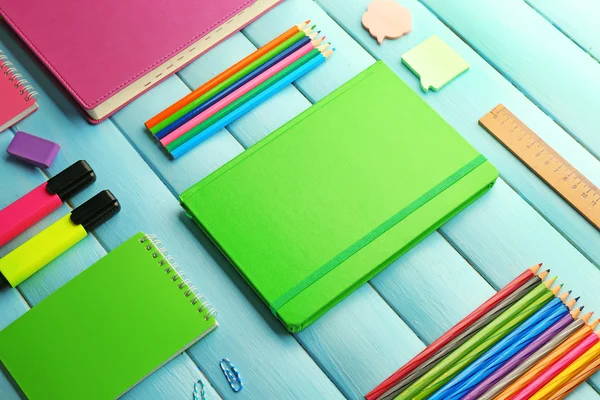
(33,150)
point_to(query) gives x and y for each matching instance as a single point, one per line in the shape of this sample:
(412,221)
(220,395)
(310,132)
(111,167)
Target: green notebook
(106,329)
(327,201)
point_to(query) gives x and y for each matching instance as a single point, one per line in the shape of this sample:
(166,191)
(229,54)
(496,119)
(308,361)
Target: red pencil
(452,333)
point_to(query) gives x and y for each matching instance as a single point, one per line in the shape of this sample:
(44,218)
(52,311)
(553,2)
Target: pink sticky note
(386,20)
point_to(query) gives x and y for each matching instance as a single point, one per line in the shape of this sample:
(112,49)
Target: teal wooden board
(546,66)
(576,19)
(384,323)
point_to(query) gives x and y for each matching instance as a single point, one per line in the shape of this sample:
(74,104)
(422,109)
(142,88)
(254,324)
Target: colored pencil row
(239,89)
(526,342)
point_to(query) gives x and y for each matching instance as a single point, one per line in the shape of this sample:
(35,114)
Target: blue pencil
(249,105)
(544,318)
(221,95)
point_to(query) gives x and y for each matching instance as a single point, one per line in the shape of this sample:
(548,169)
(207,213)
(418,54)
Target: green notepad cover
(327,201)
(105,330)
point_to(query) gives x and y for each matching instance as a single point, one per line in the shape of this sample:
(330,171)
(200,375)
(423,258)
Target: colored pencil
(467,334)
(487,363)
(294,30)
(569,374)
(437,346)
(229,81)
(557,367)
(274,85)
(306,41)
(500,379)
(238,103)
(540,360)
(450,366)
(577,380)
(239,92)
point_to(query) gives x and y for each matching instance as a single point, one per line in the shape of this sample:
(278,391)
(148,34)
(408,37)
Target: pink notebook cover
(96,48)
(15,101)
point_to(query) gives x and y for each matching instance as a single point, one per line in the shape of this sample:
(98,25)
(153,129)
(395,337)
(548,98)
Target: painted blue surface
(534,58)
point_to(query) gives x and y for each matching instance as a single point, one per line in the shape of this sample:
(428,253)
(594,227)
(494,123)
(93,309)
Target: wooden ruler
(542,159)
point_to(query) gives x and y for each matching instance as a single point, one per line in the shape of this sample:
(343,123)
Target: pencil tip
(307,21)
(577,298)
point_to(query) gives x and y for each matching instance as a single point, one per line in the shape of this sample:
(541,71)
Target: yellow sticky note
(435,63)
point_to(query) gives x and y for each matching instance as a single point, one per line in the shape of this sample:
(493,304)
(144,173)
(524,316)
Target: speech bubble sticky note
(386,20)
(435,63)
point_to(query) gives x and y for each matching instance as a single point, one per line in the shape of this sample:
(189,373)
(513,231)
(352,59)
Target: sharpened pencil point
(550,282)
(577,298)
(594,324)
(535,268)
(587,317)
(307,21)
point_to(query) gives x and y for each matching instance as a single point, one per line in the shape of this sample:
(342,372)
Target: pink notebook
(106,53)
(16,96)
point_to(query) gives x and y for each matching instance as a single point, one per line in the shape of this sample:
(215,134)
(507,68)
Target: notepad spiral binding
(8,69)
(160,253)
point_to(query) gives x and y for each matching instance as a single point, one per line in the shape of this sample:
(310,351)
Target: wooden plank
(175,382)
(149,206)
(536,57)
(576,19)
(433,270)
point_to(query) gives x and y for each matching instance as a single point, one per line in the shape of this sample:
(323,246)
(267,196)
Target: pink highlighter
(41,201)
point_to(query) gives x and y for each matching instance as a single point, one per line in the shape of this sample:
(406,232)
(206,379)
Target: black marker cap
(71,180)
(96,210)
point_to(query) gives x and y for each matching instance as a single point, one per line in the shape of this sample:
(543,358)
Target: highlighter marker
(38,251)
(41,201)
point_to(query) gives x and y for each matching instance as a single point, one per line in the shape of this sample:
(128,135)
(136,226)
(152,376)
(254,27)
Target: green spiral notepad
(327,201)
(106,329)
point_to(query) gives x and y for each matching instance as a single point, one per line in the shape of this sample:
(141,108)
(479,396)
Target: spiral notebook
(106,53)
(17,98)
(106,329)
(327,201)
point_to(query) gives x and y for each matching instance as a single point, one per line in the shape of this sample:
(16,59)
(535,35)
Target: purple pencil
(504,376)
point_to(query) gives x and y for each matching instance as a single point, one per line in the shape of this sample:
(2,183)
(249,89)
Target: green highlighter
(327,201)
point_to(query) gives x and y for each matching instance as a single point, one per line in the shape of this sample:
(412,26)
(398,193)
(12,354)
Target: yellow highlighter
(41,249)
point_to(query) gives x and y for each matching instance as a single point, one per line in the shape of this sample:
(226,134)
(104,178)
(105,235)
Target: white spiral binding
(6,68)
(164,259)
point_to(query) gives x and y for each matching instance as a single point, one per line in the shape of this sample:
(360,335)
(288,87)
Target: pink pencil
(557,367)
(304,50)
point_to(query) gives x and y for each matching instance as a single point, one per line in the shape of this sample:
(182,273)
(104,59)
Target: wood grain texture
(535,56)
(576,19)
(384,323)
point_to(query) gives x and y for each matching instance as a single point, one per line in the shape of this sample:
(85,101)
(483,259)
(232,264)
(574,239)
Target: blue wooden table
(538,57)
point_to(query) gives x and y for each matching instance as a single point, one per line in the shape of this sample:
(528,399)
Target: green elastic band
(375,233)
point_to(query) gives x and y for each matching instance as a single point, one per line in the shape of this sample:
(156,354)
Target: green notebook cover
(327,201)
(106,329)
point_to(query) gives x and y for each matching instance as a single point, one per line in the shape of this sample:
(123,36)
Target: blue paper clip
(199,390)
(232,375)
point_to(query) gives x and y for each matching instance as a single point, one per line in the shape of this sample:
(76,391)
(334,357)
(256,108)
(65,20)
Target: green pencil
(229,81)
(481,342)
(243,99)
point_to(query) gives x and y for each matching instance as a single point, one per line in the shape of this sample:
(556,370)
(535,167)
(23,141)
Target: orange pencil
(545,362)
(226,74)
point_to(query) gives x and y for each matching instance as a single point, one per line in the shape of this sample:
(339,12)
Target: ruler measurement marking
(545,162)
